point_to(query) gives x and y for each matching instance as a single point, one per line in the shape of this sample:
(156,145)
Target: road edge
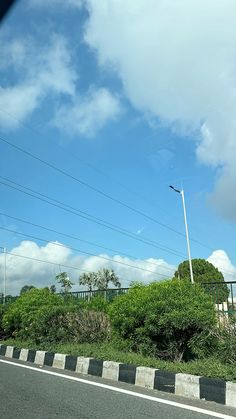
(186,385)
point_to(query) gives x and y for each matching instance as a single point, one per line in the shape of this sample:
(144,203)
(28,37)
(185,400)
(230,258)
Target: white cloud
(34,76)
(220,260)
(14,52)
(20,101)
(158,267)
(50,72)
(22,271)
(177,61)
(88,114)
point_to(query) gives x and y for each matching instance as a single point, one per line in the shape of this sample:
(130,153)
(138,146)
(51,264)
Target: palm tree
(104,276)
(88,279)
(64,279)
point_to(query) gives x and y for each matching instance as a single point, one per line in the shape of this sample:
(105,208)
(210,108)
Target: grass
(209,367)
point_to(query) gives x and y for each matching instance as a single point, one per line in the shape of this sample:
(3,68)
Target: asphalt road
(30,393)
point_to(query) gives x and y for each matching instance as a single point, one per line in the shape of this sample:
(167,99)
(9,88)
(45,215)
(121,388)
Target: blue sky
(106,92)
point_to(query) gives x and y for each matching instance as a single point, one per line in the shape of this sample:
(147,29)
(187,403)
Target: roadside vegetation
(170,325)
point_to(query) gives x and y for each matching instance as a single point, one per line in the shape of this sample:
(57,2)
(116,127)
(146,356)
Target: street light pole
(4,276)
(181,192)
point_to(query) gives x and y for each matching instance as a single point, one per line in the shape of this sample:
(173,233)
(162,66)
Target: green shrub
(21,313)
(2,311)
(97,303)
(162,318)
(220,342)
(69,324)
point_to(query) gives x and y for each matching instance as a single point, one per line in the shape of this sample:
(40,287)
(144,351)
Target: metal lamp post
(5,276)
(181,192)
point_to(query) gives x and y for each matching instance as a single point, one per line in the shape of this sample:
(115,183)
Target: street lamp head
(176,190)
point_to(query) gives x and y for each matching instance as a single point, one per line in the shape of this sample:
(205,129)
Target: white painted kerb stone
(24,354)
(39,357)
(110,370)
(9,352)
(145,377)
(59,361)
(82,365)
(230,394)
(187,385)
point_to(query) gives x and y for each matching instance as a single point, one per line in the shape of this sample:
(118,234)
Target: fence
(9,298)
(224,296)
(107,294)
(83,295)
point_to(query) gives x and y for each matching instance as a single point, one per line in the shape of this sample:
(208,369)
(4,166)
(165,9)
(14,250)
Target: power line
(45,261)
(86,163)
(70,236)
(87,253)
(79,239)
(93,167)
(89,186)
(80,251)
(73,267)
(90,218)
(86,184)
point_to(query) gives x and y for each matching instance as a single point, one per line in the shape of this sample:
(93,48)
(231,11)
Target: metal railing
(7,299)
(224,297)
(108,294)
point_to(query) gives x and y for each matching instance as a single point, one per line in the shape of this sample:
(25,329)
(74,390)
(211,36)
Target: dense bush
(2,311)
(221,341)
(69,324)
(42,316)
(161,319)
(21,313)
(98,303)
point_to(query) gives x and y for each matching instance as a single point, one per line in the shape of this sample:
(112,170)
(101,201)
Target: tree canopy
(64,279)
(26,288)
(100,279)
(205,273)
(88,279)
(104,277)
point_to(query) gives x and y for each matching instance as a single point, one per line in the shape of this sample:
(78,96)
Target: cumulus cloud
(177,62)
(221,260)
(156,269)
(86,115)
(34,76)
(50,73)
(22,271)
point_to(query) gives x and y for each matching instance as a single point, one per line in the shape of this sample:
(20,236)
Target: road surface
(28,392)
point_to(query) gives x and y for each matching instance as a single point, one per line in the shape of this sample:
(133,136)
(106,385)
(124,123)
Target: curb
(186,385)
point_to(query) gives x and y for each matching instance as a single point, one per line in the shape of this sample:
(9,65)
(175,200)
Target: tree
(89,280)
(26,288)
(205,273)
(53,289)
(64,279)
(104,277)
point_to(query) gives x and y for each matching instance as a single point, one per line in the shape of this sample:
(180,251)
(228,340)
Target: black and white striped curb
(191,386)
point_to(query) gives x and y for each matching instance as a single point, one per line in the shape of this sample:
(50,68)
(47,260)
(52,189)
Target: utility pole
(4,276)
(181,192)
